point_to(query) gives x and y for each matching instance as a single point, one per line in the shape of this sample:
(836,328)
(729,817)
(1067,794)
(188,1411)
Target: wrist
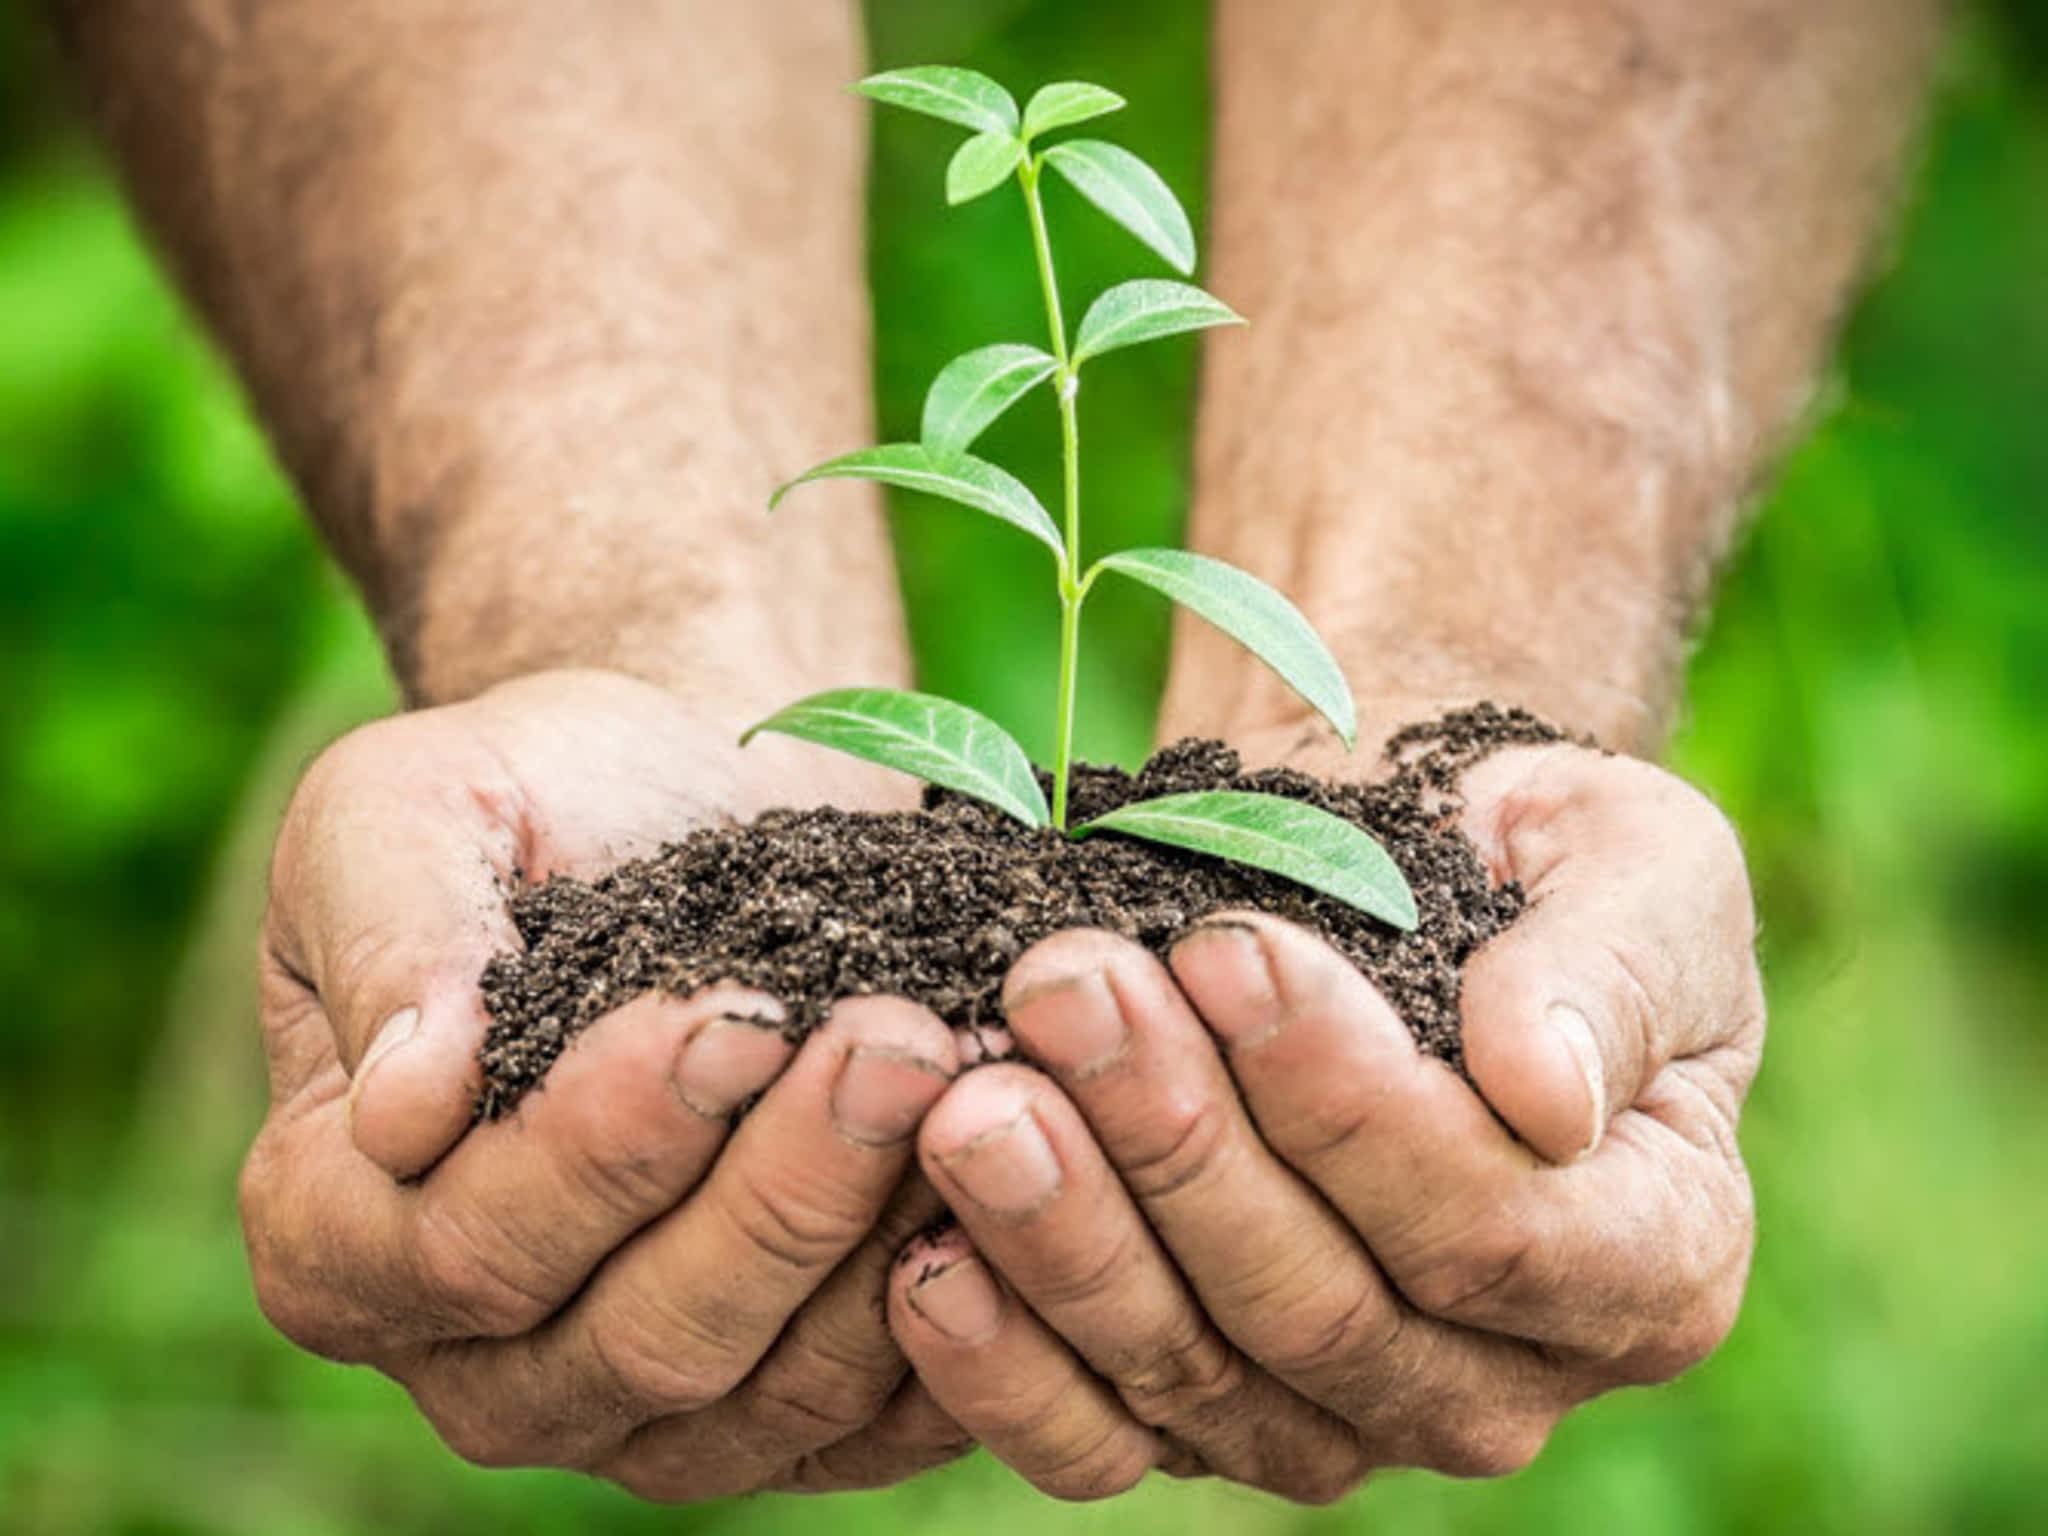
(680,579)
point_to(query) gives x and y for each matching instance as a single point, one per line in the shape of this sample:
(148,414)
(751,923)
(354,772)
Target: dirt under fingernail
(811,906)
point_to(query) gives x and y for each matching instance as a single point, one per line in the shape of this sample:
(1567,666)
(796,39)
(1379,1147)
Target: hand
(1287,1248)
(613,1278)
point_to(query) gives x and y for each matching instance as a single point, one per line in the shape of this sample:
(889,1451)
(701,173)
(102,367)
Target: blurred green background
(1868,705)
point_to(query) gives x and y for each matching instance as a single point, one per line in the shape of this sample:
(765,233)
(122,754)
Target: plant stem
(1072,590)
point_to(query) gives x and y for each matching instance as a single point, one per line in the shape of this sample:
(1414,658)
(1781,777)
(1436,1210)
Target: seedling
(949,744)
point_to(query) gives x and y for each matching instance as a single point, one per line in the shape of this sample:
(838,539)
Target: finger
(518,1216)
(509,1227)
(1597,1258)
(386,902)
(1637,948)
(680,1315)
(827,1378)
(912,1434)
(1020,1169)
(1392,1138)
(1279,1272)
(1007,1380)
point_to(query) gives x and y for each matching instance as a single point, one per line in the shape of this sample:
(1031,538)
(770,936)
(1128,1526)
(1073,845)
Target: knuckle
(1322,1481)
(1476,1445)
(1006,1407)
(1677,1349)
(289,1299)
(809,1394)
(482,1436)
(465,1277)
(659,1370)
(1191,1140)
(808,1414)
(1329,1118)
(797,1230)
(623,1162)
(1101,1466)
(1076,1278)
(1477,1272)
(1351,1325)
(1182,1379)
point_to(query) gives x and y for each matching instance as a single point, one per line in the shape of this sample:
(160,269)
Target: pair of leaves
(975,389)
(1109,176)
(972,100)
(1236,602)
(949,744)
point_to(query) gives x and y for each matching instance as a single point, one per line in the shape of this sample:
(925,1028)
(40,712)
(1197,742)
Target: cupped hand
(1239,1225)
(614,1277)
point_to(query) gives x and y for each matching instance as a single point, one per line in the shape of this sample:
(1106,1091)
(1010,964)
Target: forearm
(1536,292)
(538,302)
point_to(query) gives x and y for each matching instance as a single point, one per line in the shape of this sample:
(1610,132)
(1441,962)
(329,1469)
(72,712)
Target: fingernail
(1244,974)
(961,1301)
(1010,1171)
(882,1093)
(395,1033)
(1074,1024)
(726,1063)
(1576,1034)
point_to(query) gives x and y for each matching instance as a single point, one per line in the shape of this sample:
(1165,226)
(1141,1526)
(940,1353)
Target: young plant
(949,744)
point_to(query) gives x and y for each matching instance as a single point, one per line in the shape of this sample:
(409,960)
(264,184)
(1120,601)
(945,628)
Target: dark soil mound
(934,904)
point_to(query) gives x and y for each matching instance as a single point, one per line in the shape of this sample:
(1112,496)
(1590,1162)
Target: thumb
(387,899)
(1636,950)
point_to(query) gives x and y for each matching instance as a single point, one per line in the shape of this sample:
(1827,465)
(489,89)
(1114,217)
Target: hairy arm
(1537,291)
(537,302)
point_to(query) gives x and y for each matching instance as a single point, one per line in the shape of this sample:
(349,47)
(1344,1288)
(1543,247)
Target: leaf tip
(1405,915)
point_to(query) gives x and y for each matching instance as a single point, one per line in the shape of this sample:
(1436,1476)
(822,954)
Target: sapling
(951,745)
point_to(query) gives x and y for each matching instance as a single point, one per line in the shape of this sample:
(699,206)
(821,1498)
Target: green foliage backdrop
(1868,704)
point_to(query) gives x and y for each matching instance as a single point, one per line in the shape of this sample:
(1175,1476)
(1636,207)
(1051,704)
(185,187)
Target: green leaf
(1129,191)
(973,390)
(1254,615)
(1146,310)
(967,480)
(981,165)
(920,734)
(958,95)
(1065,103)
(1283,837)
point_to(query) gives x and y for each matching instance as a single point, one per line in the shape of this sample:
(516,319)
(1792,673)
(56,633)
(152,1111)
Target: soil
(934,904)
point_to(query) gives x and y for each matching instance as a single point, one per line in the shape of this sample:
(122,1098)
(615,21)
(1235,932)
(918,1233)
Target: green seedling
(951,745)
